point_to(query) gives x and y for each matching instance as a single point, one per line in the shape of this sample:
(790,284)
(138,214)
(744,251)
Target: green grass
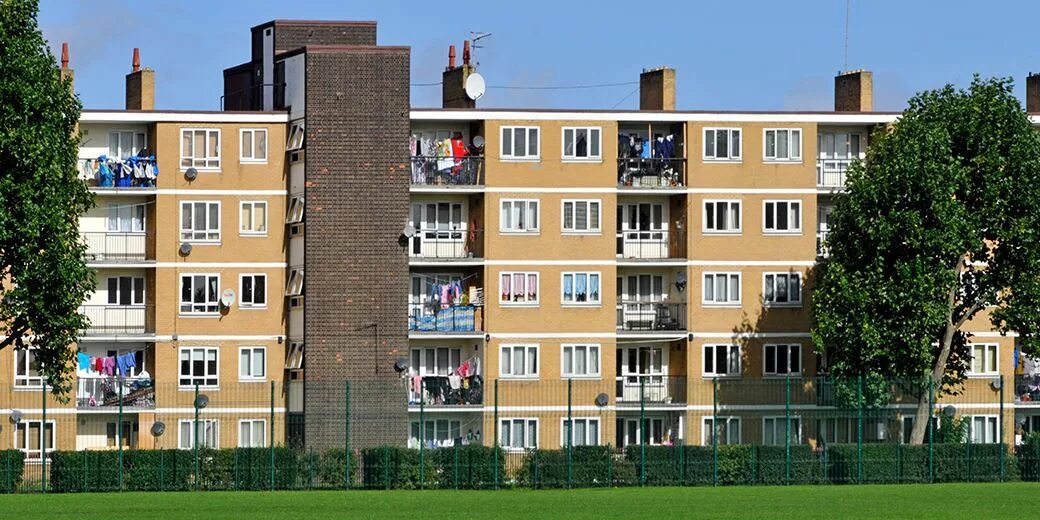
(869,501)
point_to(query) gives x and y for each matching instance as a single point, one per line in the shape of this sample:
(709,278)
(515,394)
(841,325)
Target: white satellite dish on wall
(475,86)
(227,299)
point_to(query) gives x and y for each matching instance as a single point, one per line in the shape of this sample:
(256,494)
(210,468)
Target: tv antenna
(846,65)
(475,37)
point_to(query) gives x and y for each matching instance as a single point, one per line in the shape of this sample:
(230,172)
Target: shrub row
(12,466)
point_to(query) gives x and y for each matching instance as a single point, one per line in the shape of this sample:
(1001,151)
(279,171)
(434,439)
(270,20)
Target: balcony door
(642,230)
(645,366)
(638,298)
(836,151)
(425,296)
(440,230)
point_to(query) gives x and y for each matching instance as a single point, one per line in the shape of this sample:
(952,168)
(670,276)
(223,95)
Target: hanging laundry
(83,360)
(110,366)
(125,363)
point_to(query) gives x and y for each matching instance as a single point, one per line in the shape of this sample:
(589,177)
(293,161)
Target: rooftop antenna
(475,37)
(846,65)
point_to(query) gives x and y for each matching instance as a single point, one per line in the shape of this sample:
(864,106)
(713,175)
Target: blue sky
(733,55)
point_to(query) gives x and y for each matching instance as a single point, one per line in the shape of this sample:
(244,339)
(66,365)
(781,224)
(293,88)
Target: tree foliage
(41,198)
(936,226)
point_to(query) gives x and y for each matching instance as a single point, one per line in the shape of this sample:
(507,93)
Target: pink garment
(417,385)
(110,366)
(463,370)
(445,296)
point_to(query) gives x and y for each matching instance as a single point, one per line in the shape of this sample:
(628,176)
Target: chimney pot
(465,52)
(451,57)
(137,60)
(64,55)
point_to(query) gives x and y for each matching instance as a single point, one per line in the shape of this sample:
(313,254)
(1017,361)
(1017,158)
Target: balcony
(446,244)
(638,172)
(651,316)
(108,320)
(447,172)
(439,391)
(650,389)
(115,247)
(423,317)
(132,173)
(1027,389)
(106,393)
(643,245)
(831,173)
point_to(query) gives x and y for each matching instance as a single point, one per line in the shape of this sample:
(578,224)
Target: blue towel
(83,360)
(125,363)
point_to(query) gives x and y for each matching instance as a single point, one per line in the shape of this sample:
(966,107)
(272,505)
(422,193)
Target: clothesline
(108,365)
(434,277)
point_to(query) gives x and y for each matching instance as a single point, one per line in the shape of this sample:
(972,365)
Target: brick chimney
(657,89)
(1033,92)
(66,72)
(140,86)
(453,81)
(854,91)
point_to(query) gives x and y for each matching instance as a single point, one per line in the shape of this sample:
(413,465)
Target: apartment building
(476,275)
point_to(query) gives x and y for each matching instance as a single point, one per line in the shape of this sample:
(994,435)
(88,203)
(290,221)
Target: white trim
(589,302)
(552,335)
(774,373)
(655,191)
(730,301)
(72,410)
(587,419)
(589,158)
(729,158)
(252,349)
(209,229)
(241,291)
(195,434)
(181,303)
(729,203)
(551,262)
(252,209)
(754,191)
(526,205)
(749,335)
(753,263)
(119,116)
(526,303)
(791,158)
(526,348)
(984,375)
(588,349)
(798,434)
(182,191)
(853,119)
(205,158)
(218,265)
(715,374)
(253,132)
(791,304)
(789,230)
(512,156)
(593,228)
(204,348)
(527,424)
(252,422)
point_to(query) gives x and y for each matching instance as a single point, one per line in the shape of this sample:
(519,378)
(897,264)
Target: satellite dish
(949,410)
(475,86)
(158,428)
(191,173)
(201,401)
(408,231)
(185,249)
(400,365)
(478,141)
(996,384)
(16,416)
(601,400)
(227,298)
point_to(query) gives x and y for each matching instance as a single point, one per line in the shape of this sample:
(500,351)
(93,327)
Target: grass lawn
(1006,500)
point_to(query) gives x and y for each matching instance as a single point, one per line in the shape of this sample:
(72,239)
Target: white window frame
(294,215)
(587,349)
(588,440)
(206,376)
(731,348)
(772,207)
(779,427)
(788,278)
(991,351)
(432,432)
(708,428)
(509,153)
(793,152)
(505,432)
(506,296)
(206,428)
(297,134)
(252,205)
(727,276)
(139,141)
(26,380)
(435,360)
(204,162)
(573,301)
(294,355)
(214,303)
(793,351)
(204,236)
(245,367)
(529,207)
(133,214)
(134,282)
(38,454)
(712,203)
(252,425)
(252,158)
(294,286)
(713,156)
(242,303)
(589,131)
(528,349)
(989,436)
(590,227)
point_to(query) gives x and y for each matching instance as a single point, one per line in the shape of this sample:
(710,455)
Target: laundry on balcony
(122,365)
(460,318)
(445,307)
(444,161)
(648,162)
(464,386)
(138,171)
(138,392)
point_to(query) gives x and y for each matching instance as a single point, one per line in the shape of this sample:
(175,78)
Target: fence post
(386,467)
(162,469)
(967,451)
(84,471)
(271,442)
(714,432)
(1000,425)
(931,430)
(422,434)
(787,431)
(119,431)
(235,481)
(455,466)
(570,436)
(346,435)
(859,429)
(195,435)
(496,434)
(642,431)
(43,437)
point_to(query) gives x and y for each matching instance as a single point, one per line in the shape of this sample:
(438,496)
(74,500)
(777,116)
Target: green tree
(41,199)
(937,224)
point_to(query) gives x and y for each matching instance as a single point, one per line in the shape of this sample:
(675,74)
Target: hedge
(592,466)
(386,467)
(12,465)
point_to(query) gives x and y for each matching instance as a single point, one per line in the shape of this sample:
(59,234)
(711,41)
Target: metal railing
(637,172)
(424,317)
(649,388)
(432,170)
(114,246)
(640,245)
(446,243)
(130,178)
(441,391)
(831,173)
(94,393)
(118,319)
(651,316)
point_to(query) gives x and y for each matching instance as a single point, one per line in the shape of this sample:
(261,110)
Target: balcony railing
(130,173)
(650,388)
(429,170)
(830,173)
(114,246)
(1027,389)
(458,318)
(107,392)
(651,316)
(446,391)
(651,173)
(643,245)
(821,244)
(446,243)
(118,319)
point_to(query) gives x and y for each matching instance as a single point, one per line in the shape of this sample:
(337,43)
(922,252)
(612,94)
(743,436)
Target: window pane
(507,141)
(519,143)
(709,143)
(533,142)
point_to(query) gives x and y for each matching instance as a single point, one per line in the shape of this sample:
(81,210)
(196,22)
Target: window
(208,433)
(982,429)
(984,359)
(520,142)
(721,288)
(580,361)
(726,432)
(438,433)
(200,149)
(775,428)
(26,369)
(296,137)
(782,216)
(628,432)
(127,435)
(518,434)
(253,145)
(782,289)
(518,361)
(123,144)
(722,216)
(295,213)
(295,285)
(581,288)
(252,363)
(519,216)
(294,356)
(28,437)
(581,216)
(252,218)
(519,288)
(783,144)
(585,431)
(253,290)
(722,144)
(200,221)
(435,361)
(783,360)
(252,433)
(125,290)
(200,293)
(198,366)
(581,143)
(125,218)
(721,360)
